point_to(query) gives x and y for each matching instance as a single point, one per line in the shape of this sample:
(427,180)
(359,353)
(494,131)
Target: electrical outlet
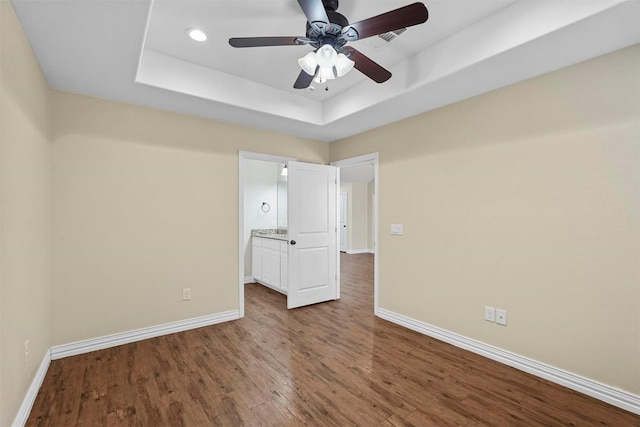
(489,314)
(501,317)
(186,294)
(26,351)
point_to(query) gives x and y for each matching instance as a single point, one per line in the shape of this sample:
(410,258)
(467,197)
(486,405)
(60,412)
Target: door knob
(293,242)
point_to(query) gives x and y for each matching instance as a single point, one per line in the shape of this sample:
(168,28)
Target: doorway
(244,157)
(359,175)
(309,256)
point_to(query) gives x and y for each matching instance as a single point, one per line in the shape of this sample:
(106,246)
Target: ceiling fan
(328,32)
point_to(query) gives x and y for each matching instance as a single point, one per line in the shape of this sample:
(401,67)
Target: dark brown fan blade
(403,17)
(367,67)
(262,41)
(304,80)
(314,11)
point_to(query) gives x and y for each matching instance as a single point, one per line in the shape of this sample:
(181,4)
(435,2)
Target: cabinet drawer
(271,244)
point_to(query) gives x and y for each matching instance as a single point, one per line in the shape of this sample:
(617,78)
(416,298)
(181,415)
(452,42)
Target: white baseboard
(608,394)
(248,279)
(93,344)
(28,401)
(85,346)
(359,251)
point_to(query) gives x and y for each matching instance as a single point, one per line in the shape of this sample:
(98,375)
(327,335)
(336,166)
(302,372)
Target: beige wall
(145,204)
(24,215)
(526,199)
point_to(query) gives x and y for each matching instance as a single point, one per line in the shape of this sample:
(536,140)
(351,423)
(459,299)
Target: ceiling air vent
(382,41)
(391,34)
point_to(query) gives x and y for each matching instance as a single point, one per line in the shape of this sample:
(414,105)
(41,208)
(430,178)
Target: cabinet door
(271,267)
(256,258)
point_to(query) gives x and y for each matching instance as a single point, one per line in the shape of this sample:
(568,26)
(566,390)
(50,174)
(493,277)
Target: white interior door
(313,233)
(343,221)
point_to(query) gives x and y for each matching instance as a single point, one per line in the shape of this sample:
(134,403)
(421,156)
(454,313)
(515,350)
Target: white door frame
(372,157)
(346,221)
(242,156)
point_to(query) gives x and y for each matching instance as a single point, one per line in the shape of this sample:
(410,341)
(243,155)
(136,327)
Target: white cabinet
(269,262)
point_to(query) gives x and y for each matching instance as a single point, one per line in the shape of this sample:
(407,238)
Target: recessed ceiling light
(196,34)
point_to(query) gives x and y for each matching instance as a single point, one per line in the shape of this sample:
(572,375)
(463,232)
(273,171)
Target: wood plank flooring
(331,364)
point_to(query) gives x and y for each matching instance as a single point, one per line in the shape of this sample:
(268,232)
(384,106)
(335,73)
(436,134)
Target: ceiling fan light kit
(328,63)
(328,32)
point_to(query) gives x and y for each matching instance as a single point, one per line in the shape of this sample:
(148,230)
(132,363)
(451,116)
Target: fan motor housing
(334,18)
(328,34)
(330,5)
(337,18)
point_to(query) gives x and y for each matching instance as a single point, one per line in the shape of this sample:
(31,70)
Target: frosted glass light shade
(308,63)
(343,64)
(326,56)
(324,74)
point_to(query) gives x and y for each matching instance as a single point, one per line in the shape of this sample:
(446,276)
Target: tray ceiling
(137,51)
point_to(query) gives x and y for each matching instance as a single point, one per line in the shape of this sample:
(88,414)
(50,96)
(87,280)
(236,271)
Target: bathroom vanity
(269,258)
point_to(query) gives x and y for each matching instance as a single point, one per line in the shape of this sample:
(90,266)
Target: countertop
(270,234)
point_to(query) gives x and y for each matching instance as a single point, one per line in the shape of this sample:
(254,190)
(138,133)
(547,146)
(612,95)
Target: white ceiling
(136,51)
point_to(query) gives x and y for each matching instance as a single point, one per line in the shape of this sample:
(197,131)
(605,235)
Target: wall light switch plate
(397,229)
(501,317)
(489,314)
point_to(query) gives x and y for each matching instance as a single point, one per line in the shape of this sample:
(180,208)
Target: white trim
(107,341)
(337,236)
(249,279)
(343,245)
(371,157)
(608,394)
(29,399)
(100,343)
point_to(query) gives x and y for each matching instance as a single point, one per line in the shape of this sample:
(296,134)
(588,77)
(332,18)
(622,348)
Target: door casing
(343,234)
(242,156)
(371,157)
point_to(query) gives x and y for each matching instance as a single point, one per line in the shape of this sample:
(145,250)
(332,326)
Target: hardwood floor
(331,364)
